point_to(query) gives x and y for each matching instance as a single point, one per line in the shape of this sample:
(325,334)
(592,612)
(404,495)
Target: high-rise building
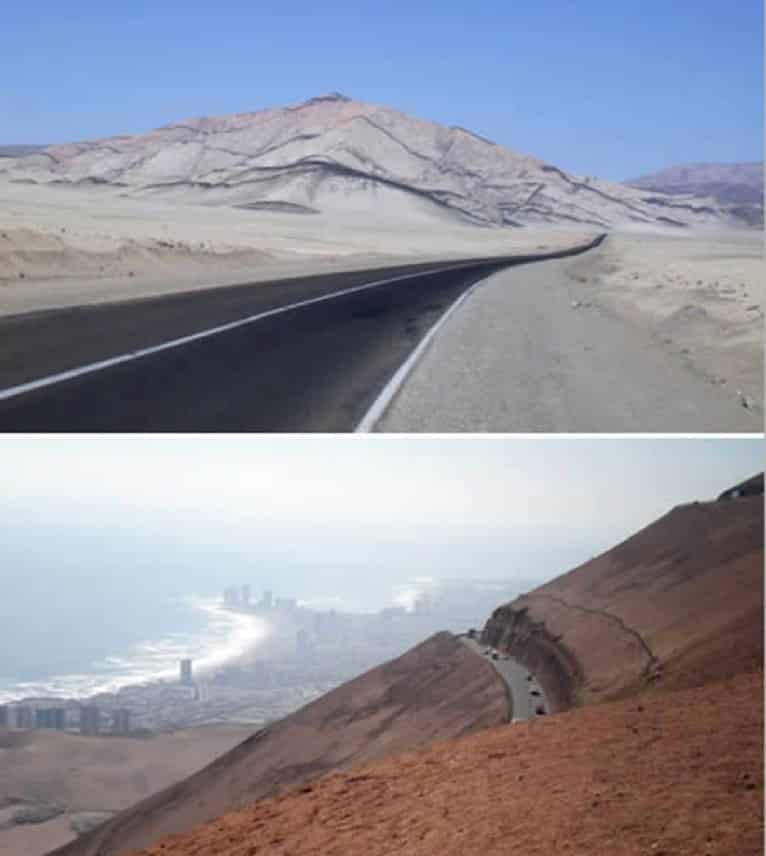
(245,595)
(186,672)
(23,716)
(121,721)
(90,719)
(5,719)
(262,674)
(230,596)
(267,601)
(302,643)
(50,717)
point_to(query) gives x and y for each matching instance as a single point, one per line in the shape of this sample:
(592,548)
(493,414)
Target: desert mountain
(332,153)
(436,691)
(678,604)
(737,185)
(671,623)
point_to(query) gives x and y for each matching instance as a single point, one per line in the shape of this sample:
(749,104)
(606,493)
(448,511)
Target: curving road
(307,354)
(527,696)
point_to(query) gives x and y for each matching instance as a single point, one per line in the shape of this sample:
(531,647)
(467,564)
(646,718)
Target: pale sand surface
(85,774)
(63,246)
(700,293)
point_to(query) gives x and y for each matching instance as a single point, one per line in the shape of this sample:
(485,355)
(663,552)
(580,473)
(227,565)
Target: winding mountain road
(526,694)
(307,354)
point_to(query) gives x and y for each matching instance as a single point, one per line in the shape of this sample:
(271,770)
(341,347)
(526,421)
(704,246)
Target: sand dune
(62,246)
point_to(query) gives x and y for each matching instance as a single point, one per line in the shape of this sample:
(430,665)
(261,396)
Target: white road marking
(381,403)
(387,394)
(90,368)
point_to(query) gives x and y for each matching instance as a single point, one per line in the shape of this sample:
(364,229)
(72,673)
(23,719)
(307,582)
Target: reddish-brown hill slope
(665,774)
(678,604)
(436,691)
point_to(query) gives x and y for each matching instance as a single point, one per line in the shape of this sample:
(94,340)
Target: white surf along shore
(225,638)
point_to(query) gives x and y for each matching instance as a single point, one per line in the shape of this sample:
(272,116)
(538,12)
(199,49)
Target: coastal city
(306,653)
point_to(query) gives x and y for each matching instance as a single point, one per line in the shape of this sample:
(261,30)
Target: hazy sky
(320,512)
(605,88)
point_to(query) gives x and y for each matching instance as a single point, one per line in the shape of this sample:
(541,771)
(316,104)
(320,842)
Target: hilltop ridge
(335,154)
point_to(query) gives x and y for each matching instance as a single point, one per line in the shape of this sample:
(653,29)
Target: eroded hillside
(332,153)
(678,604)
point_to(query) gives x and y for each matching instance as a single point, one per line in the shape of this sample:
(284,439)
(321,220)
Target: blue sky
(598,87)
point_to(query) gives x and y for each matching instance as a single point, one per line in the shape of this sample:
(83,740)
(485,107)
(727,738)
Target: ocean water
(137,651)
(137,639)
(97,601)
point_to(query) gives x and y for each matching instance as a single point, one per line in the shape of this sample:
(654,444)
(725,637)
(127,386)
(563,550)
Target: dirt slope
(664,774)
(436,691)
(678,604)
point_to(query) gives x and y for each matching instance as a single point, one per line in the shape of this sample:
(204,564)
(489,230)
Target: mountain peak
(327,96)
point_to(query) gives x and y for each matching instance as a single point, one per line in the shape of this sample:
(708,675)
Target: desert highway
(307,354)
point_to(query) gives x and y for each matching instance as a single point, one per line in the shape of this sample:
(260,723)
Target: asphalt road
(314,366)
(524,704)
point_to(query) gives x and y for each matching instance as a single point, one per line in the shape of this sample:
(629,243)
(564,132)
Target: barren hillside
(436,691)
(80,781)
(678,604)
(655,776)
(332,153)
(670,622)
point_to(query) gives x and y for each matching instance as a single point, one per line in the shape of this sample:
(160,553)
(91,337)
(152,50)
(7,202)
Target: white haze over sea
(102,539)
(190,626)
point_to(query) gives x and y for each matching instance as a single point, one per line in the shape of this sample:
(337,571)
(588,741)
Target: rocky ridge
(335,154)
